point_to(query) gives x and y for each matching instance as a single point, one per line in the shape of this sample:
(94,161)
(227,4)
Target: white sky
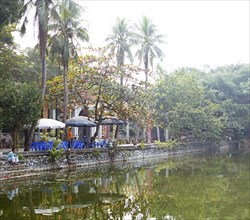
(198,32)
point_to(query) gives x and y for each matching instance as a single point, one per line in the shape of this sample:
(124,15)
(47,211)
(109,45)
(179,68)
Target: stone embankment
(33,163)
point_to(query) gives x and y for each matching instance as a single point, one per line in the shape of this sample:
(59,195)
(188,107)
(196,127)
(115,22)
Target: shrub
(169,145)
(142,145)
(55,153)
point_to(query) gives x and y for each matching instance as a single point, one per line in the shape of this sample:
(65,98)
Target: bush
(142,145)
(169,145)
(55,154)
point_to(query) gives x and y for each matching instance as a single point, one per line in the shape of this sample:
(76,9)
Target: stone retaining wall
(33,163)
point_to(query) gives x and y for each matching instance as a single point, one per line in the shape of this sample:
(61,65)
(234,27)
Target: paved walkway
(6,150)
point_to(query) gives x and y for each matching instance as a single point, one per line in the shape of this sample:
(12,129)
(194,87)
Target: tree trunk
(30,137)
(158,133)
(44,74)
(127,132)
(120,63)
(1,134)
(29,201)
(146,69)
(15,135)
(149,133)
(65,85)
(137,135)
(166,135)
(149,128)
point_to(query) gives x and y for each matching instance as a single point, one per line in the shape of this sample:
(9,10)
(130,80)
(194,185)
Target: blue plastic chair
(39,146)
(50,146)
(77,144)
(33,146)
(103,143)
(63,145)
(92,145)
(43,146)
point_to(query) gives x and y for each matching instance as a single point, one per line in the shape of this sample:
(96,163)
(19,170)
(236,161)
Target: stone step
(8,166)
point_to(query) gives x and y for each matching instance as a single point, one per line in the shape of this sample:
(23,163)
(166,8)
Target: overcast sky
(197,33)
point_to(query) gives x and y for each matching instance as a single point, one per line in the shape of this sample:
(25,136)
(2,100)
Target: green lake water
(188,187)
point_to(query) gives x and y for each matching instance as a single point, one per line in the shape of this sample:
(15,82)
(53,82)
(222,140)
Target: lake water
(190,187)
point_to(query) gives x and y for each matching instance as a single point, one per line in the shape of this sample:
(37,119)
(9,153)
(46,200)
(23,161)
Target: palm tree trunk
(65,85)
(146,87)
(120,63)
(44,75)
(146,70)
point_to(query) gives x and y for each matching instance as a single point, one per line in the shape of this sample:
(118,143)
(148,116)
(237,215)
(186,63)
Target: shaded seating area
(75,144)
(63,145)
(78,121)
(41,146)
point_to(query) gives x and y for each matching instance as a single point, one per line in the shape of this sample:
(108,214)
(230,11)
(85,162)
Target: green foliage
(96,153)
(171,144)
(45,137)
(229,87)
(142,145)
(202,121)
(12,64)
(21,157)
(55,154)
(112,152)
(19,106)
(120,41)
(66,26)
(180,106)
(147,38)
(6,35)
(95,82)
(10,12)
(51,137)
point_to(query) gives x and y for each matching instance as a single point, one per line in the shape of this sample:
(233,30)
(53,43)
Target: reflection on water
(177,188)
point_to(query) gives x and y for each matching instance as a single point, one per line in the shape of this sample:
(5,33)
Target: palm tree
(66,27)
(146,38)
(120,42)
(42,17)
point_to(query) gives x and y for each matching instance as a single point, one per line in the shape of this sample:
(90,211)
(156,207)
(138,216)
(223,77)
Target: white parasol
(45,123)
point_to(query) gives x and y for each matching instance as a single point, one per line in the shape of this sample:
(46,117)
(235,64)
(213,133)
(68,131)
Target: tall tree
(180,105)
(42,8)
(95,83)
(19,107)
(120,42)
(66,26)
(147,39)
(41,17)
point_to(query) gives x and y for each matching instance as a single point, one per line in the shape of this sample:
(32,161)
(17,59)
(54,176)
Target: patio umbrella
(80,121)
(111,121)
(45,123)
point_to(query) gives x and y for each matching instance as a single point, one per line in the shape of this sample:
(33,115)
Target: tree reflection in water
(183,188)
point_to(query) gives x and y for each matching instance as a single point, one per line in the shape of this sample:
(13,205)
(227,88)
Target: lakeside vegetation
(211,104)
